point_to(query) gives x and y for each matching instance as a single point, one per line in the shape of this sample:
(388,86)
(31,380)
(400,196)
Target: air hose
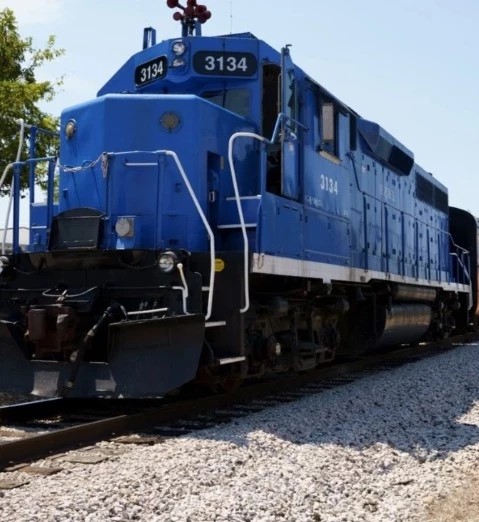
(77,356)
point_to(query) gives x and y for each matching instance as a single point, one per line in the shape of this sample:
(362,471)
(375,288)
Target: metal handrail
(15,190)
(466,270)
(15,185)
(240,208)
(197,206)
(277,129)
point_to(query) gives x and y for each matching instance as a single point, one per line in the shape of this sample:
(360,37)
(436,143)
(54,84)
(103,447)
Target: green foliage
(20,92)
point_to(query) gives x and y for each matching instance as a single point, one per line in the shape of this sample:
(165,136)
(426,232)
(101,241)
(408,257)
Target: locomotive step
(230,360)
(214,324)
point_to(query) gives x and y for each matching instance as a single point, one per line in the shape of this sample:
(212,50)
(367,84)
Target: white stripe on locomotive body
(275,265)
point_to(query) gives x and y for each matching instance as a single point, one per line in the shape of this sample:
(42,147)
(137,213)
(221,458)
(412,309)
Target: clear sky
(410,65)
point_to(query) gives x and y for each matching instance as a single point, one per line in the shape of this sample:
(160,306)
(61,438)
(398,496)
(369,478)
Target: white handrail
(184,289)
(12,187)
(198,209)
(240,209)
(205,223)
(5,172)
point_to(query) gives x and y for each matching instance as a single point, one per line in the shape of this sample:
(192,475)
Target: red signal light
(204,16)
(191,14)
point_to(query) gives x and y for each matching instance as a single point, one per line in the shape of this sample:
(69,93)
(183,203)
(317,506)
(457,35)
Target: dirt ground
(460,506)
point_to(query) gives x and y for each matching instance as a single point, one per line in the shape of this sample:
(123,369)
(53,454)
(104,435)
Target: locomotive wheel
(234,377)
(215,383)
(230,383)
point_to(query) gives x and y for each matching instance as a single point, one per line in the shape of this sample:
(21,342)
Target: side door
(289,128)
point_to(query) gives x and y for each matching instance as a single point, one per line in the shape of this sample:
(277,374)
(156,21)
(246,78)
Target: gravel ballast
(379,449)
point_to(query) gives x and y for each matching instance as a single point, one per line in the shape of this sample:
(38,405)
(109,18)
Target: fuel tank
(402,324)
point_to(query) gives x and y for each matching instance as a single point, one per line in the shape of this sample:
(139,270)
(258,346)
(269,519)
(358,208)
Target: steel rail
(69,438)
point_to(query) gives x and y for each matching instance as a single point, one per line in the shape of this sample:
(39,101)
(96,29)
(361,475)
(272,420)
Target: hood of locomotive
(121,193)
(118,164)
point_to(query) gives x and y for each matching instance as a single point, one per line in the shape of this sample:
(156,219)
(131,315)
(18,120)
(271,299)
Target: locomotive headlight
(3,263)
(167,262)
(178,48)
(178,62)
(70,129)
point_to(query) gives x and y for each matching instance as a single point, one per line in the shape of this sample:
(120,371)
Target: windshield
(235,100)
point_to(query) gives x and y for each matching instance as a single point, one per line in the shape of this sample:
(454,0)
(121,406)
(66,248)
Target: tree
(20,92)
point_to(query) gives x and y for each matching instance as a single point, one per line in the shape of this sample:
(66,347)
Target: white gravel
(379,449)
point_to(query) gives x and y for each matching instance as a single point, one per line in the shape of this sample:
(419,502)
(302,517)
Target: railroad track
(72,423)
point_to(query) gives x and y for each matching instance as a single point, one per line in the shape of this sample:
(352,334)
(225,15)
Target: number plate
(224,63)
(151,71)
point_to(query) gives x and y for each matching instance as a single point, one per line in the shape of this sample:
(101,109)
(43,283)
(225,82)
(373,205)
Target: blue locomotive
(214,215)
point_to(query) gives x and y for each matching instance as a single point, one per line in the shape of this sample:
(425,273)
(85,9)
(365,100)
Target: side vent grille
(430,194)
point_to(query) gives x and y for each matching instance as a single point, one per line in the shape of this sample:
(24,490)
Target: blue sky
(410,65)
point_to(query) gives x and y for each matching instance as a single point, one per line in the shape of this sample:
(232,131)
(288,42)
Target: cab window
(328,132)
(234,100)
